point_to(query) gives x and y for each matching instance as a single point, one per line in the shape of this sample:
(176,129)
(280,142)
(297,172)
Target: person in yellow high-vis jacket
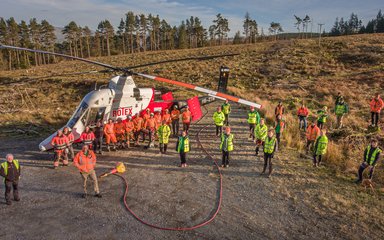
(226,107)
(183,146)
(269,151)
(219,118)
(163,132)
(226,146)
(10,171)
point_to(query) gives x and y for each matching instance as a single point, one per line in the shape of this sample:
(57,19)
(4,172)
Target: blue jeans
(303,119)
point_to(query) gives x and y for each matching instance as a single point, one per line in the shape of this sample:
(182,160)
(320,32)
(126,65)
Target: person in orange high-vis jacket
(85,161)
(279,110)
(109,133)
(120,133)
(71,139)
(150,126)
(313,131)
(60,143)
(129,128)
(302,113)
(187,118)
(175,116)
(138,123)
(158,118)
(376,105)
(87,137)
(167,118)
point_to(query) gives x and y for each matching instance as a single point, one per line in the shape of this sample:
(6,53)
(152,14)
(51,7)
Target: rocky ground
(298,202)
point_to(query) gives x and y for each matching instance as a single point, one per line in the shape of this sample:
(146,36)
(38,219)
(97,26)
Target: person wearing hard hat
(219,118)
(261,132)
(85,161)
(109,133)
(226,107)
(253,120)
(279,110)
(226,146)
(322,116)
(71,139)
(138,123)
(164,131)
(87,137)
(10,171)
(150,126)
(98,143)
(340,109)
(129,127)
(183,147)
(187,119)
(60,143)
(376,105)
(270,146)
(175,116)
(320,149)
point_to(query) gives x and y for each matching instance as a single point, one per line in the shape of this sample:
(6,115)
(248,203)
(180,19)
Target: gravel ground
(296,203)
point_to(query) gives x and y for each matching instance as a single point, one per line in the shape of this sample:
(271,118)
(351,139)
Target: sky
(91,12)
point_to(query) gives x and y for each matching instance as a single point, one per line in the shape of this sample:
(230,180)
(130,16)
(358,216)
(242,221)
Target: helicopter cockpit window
(80,112)
(136,94)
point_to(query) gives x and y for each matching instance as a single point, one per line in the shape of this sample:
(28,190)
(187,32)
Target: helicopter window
(94,115)
(80,112)
(136,94)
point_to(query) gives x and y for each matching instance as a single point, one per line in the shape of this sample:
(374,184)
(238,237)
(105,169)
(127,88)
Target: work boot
(17,199)
(98,195)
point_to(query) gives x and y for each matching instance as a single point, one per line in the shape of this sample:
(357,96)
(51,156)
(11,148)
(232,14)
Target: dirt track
(297,203)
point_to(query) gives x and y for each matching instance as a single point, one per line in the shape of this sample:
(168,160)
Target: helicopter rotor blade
(200,89)
(184,59)
(63,55)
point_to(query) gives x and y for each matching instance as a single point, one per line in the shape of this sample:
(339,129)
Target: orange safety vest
(119,128)
(150,123)
(186,116)
(279,110)
(167,118)
(70,137)
(175,114)
(60,143)
(129,126)
(158,119)
(109,129)
(312,133)
(302,112)
(85,163)
(146,116)
(376,105)
(139,121)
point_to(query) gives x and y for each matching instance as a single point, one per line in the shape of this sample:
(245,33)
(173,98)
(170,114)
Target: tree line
(355,26)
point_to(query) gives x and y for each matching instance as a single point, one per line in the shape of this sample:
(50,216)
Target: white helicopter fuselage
(119,100)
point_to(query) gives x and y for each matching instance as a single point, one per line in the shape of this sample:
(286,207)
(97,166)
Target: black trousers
(252,130)
(362,167)
(225,158)
(98,144)
(316,158)
(175,126)
(375,118)
(226,121)
(183,157)
(219,129)
(8,189)
(320,124)
(186,126)
(267,162)
(163,147)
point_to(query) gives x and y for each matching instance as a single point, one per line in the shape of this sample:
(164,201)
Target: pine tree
(129,29)
(121,35)
(87,33)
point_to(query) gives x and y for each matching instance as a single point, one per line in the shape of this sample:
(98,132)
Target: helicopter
(122,98)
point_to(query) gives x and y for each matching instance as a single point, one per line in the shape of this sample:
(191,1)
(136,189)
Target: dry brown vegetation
(291,71)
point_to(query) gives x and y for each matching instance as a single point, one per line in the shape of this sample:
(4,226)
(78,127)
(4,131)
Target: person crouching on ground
(10,171)
(269,151)
(85,161)
(226,146)
(320,149)
(183,147)
(371,158)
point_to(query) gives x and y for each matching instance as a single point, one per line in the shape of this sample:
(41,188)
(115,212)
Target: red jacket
(376,105)
(303,112)
(60,143)
(87,137)
(85,163)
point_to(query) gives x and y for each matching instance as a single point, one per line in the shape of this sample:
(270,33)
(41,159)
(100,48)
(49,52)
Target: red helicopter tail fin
(194,107)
